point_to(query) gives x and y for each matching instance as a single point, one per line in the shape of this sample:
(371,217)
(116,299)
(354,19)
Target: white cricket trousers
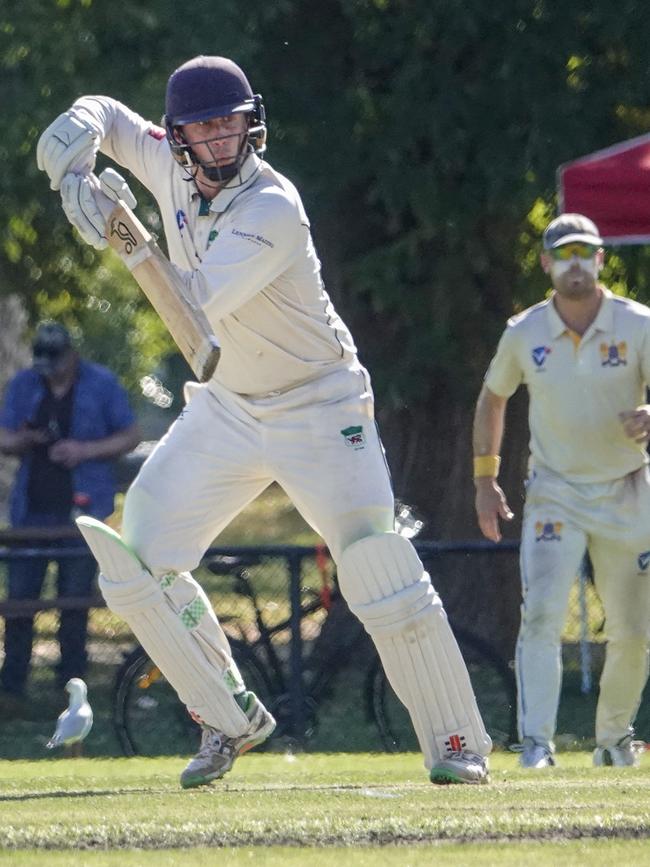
(318,441)
(561,520)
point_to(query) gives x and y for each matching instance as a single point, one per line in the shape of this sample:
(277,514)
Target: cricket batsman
(289,402)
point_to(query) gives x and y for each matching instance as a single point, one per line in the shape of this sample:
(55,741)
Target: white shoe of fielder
(218,752)
(536,756)
(626,754)
(460,767)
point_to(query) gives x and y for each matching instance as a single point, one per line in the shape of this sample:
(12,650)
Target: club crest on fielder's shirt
(354,437)
(539,354)
(548,531)
(643,561)
(613,355)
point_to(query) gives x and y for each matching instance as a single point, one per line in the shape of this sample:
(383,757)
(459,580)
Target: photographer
(66,419)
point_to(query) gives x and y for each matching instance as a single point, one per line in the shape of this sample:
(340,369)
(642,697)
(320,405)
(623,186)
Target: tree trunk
(430,455)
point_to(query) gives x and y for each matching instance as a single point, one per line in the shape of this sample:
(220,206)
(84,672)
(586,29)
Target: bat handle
(207,358)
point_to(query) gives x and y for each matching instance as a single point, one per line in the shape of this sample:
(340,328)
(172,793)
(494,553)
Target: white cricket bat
(156,277)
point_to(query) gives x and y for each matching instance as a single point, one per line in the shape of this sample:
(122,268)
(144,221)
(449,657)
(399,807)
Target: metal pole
(585,645)
(296,685)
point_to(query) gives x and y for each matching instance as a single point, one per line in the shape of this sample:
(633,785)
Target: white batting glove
(88,202)
(69,144)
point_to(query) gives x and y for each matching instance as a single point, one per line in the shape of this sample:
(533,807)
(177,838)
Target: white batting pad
(175,623)
(385,585)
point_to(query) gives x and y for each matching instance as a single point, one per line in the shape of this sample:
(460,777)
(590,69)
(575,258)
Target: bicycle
(150,720)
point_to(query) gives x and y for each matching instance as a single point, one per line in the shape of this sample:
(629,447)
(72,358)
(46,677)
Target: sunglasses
(52,353)
(568,251)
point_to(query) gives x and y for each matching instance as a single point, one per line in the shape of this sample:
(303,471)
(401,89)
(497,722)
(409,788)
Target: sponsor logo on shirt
(354,437)
(254,239)
(539,354)
(548,531)
(613,355)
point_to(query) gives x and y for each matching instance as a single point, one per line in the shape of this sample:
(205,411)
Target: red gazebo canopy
(612,187)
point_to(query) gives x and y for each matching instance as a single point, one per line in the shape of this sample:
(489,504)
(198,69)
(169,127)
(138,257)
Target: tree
(425,138)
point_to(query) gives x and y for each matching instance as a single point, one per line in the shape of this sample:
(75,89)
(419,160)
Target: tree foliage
(424,136)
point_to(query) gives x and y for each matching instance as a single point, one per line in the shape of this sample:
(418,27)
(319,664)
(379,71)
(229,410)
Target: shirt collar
(224,198)
(604,320)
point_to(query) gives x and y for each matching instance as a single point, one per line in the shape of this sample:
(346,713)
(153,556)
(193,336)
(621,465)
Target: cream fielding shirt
(247,259)
(577,389)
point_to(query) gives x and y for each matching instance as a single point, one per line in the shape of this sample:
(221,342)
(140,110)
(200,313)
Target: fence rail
(281,575)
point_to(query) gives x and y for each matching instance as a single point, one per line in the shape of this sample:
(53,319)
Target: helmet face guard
(253,140)
(205,88)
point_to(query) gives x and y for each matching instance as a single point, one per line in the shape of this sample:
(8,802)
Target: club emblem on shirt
(613,355)
(548,531)
(643,561)
(354,437)
(181,220)
(539,354)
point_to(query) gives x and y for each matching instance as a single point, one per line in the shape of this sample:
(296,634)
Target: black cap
(571,229)
(51,342)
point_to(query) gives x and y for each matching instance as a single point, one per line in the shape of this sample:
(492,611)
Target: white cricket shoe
(460,766)
(218,752)
(626,754)
(536,756)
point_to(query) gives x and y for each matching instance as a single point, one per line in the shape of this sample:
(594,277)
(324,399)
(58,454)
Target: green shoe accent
(438,775)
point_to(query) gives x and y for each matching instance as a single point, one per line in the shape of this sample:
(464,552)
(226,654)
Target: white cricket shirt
(247,259)
(577,389)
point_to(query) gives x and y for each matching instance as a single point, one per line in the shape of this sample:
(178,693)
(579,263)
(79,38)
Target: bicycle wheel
(494,687)
(149,718)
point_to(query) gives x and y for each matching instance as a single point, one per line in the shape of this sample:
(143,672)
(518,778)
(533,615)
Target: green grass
(330,806)
(595,853)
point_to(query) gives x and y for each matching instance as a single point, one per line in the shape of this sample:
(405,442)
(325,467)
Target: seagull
(76,720)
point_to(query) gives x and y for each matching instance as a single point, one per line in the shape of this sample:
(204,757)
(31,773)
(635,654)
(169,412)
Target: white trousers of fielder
(561,521)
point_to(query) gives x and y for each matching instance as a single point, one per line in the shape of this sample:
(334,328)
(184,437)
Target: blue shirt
(100,409)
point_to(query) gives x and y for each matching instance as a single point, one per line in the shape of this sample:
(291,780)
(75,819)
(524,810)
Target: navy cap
(50,344)
(571,229)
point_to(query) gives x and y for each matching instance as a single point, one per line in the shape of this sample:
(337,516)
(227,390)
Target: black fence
(293,638)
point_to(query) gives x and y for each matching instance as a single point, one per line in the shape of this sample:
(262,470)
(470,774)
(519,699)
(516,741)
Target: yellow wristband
(486,465)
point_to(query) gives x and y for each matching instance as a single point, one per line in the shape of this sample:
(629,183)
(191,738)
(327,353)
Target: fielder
(289,402)
(584,355)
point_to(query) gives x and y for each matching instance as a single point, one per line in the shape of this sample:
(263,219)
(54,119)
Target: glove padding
(88,202)
(69,144)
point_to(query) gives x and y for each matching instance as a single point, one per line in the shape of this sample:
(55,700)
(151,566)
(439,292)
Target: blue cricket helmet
(206,87)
